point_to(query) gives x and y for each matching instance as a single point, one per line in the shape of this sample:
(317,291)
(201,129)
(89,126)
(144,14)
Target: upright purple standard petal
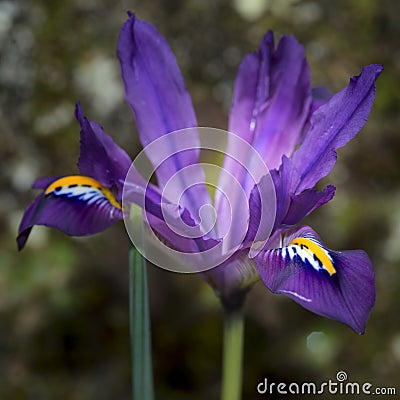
(272,98)
(154,86)
(271,104)
(333,125)
(156,93)
(334,284)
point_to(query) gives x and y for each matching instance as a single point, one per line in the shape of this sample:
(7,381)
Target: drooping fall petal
(77,205)
(335,284)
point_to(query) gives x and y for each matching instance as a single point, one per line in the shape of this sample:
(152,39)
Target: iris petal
(271,104)
(271,101)
(291,208)
(335,284)
(306,202)
(272,98)
(154,86)
(100,157)
(77,205)
(156,93)
(333,125)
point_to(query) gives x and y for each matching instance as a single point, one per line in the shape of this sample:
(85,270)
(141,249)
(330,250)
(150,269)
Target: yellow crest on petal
(82,186)
(315,254)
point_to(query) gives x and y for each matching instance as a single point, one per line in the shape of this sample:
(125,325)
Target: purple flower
(294,130)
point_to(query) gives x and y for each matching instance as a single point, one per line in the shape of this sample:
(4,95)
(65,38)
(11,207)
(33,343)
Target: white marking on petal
(89,195)
(299,296)
(305,254)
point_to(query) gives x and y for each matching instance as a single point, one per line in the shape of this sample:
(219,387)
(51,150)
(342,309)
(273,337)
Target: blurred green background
(64,301)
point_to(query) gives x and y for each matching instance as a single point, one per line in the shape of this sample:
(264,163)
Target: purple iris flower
(294,130)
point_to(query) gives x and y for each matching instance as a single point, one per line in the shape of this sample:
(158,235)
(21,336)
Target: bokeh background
(64,301)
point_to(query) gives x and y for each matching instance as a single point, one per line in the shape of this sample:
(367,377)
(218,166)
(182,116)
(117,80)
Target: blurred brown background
(64,301)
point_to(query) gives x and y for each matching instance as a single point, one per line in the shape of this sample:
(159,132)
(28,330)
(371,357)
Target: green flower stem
(232,358)
(142,371)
